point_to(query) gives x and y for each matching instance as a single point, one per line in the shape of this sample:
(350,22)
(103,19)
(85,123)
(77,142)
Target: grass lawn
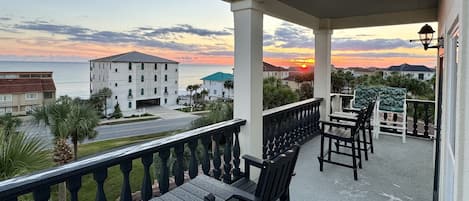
(113,183)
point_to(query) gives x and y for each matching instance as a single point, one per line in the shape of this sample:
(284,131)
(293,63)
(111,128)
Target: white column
(462,136)
(322,69)
(248,30)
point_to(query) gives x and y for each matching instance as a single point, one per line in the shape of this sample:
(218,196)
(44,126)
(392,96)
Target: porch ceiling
(340,14)
(341,9)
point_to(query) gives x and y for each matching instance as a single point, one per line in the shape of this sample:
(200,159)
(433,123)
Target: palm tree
(195,87)
(190,88)
(69,120)
(105,93)
(204,93)
(8,123)
(228,84)
(20,154)
(83,120)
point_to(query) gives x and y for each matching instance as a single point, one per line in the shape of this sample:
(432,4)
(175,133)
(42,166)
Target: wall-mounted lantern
(426,37)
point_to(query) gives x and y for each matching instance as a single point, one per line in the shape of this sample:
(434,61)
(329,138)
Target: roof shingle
(134,57)
(8,86)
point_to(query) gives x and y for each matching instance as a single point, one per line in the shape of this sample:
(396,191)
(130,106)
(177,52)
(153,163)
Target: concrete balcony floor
(395,172)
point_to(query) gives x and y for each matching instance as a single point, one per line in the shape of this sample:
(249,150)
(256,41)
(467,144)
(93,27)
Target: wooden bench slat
(184,195)
(199,192)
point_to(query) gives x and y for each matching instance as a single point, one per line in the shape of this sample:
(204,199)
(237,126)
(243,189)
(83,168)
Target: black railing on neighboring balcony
(423,114)
(420,115)
(289,124)
(40,183)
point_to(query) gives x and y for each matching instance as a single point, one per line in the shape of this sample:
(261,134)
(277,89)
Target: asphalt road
(141,128)
(106,132)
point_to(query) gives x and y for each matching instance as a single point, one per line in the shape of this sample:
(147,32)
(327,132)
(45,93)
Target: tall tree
(204,93)
(56,116)
(8,124)
(117,112)
(195,87)
(190,89)
(83,120)
(305,91)
(275,93)
(228,84)
(105,93)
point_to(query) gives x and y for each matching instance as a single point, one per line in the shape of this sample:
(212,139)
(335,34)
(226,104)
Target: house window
(156,67)
(115,97)
(142,91)
(115,70)
(130,104)
(215,91)
(176,92)
(421,76)
(48,95)
(31,96)
(130,78)
(142,78)
(165,78)
(130,66)
(143,68)
(155,90)
(175,82)
(165,66)
(6,98)
(156,78)
(115,84)
(165,101)
(130,92)
(165,90)
(176,70)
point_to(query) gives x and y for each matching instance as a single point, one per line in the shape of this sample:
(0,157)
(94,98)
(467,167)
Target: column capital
(246,4)
(323,31)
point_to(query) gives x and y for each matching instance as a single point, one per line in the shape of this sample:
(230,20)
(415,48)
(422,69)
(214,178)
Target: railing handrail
(420,101)
(21,184)
(343,95)
(283,108)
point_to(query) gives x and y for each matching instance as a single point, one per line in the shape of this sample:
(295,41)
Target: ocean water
(72,79)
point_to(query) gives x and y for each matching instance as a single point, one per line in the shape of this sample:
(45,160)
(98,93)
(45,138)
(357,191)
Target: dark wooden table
(198,188)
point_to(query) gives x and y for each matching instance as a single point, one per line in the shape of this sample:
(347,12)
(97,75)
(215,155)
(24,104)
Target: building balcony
(394,171)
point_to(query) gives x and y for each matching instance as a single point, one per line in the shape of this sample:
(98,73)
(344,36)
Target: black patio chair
(273,183)
(347,132)
(275,177)
(350,115)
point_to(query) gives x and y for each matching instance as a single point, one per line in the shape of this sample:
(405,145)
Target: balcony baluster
(73,186)
(179,167)
(147,191)
(164,171)
(126,192)
(227,156)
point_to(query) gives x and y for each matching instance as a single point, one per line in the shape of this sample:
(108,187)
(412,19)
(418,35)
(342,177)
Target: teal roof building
(219,76)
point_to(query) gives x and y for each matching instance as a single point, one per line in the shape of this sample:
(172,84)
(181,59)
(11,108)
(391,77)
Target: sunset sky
(189,31)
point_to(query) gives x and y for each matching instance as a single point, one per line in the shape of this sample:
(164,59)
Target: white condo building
(135,79)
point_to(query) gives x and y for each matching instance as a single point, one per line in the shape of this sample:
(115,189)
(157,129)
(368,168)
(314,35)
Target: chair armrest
(343,117)
(351,110)
(336,124)
(251,161)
